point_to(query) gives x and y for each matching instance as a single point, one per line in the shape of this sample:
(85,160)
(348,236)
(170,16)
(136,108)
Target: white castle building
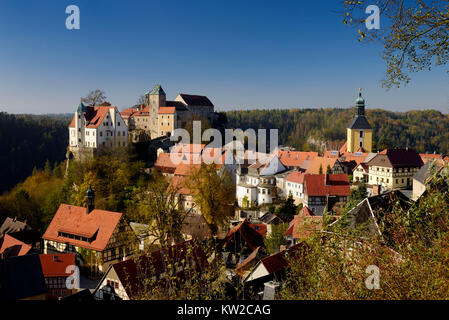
(94,128)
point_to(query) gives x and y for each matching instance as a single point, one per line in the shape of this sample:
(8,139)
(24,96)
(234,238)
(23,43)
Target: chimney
(90,200)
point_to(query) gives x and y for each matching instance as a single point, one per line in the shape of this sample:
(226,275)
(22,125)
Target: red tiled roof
(245,265)
(317,162)
(94,116)
(277,261)
(252,237)
(132,272)
(296,177)
(337,185)
(186,169)
(304,226)
(426,157)
(178,185)
(295,158)
(11,247)
(55,265)
(164,164)
(167,110)
(75,220)
(128,112)
(261,228)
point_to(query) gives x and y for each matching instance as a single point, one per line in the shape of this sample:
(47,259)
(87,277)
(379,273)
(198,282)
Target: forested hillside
(29,141)
(425,131)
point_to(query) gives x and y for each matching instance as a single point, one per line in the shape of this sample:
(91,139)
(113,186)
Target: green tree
(276,238)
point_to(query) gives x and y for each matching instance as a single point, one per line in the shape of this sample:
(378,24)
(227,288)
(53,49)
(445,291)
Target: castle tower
(80,124)
(359,132)
(155,99)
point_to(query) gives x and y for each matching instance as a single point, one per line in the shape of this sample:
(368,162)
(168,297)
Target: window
(125,134)
(118,123)
(119,133)
(101,133)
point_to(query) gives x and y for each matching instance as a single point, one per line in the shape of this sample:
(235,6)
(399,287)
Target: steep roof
(128,112)
(98,225)
(21,277)
(244,231)
(11,247)
(295,158)
(164,164)
(326,184)
(178,185)
(296,177)
(131,272)
(424,173)
(397,158)
(195,100)
(186,169)
(317,162)
(359,122)
(94,116)
(55,265)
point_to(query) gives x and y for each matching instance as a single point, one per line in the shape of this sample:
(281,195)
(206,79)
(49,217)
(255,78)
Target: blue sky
(241,54)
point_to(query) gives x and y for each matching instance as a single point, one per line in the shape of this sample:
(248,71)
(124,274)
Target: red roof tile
(75,220)
(94,116)
(131,272)
(296,177)
(167,110)
(295,158)
(55,265)
(317,162)
(11,247)
(252,237)
(337,185)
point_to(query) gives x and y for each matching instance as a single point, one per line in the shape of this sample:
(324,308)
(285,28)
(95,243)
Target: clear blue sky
(241,54)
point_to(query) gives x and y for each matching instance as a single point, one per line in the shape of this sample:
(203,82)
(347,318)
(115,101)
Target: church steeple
(359,132)
(360,103)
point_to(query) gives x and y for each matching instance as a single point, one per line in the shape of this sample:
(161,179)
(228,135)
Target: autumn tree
(160,207)
(415,35)
(213,193)
(94,98)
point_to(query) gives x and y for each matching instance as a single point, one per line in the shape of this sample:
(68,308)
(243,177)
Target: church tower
(155,99)
(359,132)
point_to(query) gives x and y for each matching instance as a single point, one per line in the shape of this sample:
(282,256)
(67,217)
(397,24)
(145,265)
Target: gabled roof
(132,272)
(196,100)
(164,164)
(245,232)
(178,185)
(128,112)
(426,157)
(317,162)
(179,105)
(11,247)
(397,158)
(55,265)
(245,265)
(183,169)
(98,225)
(295,158)
(94,116)
(326,184)
(276,262)
(21,277)
(187,148)
(296,177)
